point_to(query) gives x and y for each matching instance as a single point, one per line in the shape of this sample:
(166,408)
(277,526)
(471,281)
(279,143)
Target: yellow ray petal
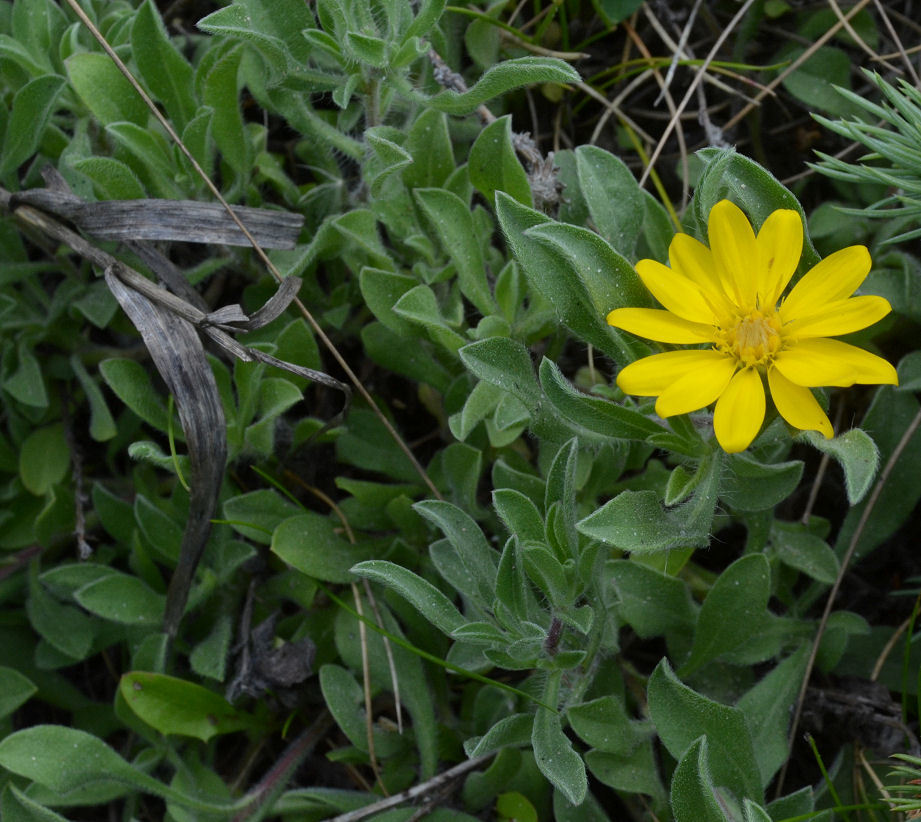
(797,405)
(677,293)
(694,260)
(650,376)
(838,317)
(739,411)
(781,242)
(736,253)
(663,326)
(697,388)
(834,278)
(815,362)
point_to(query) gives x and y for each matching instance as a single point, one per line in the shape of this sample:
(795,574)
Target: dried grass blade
(179,356)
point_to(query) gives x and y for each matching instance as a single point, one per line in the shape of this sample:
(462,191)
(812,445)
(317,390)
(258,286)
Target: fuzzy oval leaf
(856,453)
(554,755)
(804,551)
(480,560)
(693,794)
(420,593)
(33,106)
(15,689)
(90,72)
(505,363)
(681,716)
(494,166)
(593,413)
(44,458)
(164,70)
(175,706)
(613,197)
(504,77)
(132,385)
(122,598)
(734,610)
(65,759)
(453,223)
(309,543)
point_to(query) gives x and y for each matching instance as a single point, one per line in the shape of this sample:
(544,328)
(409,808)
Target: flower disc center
(754,339)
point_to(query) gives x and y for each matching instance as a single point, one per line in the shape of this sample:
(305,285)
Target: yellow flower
(726,297)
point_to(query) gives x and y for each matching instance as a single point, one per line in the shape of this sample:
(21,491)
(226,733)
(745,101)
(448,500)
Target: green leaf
(465,535)
(220,92)
(603,723)
(494,165)
(112,179)
(122,598)
(595,414)
(805,551)
(613,197)
(856,453)
(554,755)
(767,708)
(753,486)
(576,272)
(163,532)
(429,144)
(15,806)
(453,223)
(754,812)
(420,593)
(511,730)
(147,153)
(389,349)
(426,17)
(209,657)
(15,689)
(309,543)
(505,363)
(26,383)
(638,587)
(68,762)
(175,706)
(420,305)
(90,72)
(520,514)
(165,72)
(367,49)
(636,521)
(255,514)
(33,106)
(682,715)
(102,426)
(636,772)
(480,403)
(735,610)
(889,415)
(732,176)
(236,22)
(44,458)
(504,77)
(392,159)
(345,700)
(66,628)
(131,384)
(815,79)
(693,794)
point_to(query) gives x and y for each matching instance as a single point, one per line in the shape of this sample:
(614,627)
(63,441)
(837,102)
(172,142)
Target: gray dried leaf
(179,356)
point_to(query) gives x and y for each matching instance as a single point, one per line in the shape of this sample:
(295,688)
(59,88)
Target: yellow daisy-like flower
(726,296)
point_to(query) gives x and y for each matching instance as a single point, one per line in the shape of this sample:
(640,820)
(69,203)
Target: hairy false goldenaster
(726,297)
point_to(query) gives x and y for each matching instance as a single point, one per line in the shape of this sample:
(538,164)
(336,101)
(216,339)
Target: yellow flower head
(726,297)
